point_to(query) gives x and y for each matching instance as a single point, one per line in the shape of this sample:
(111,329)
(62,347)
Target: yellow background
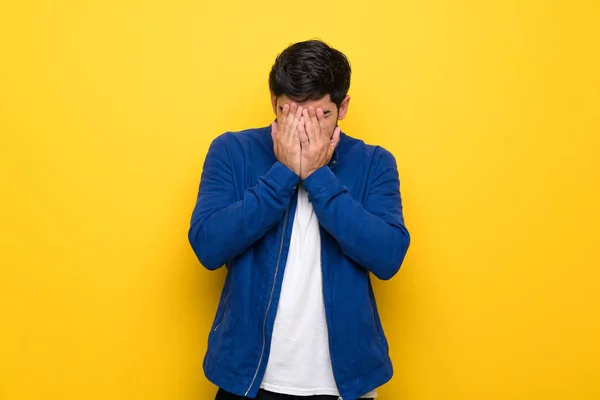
(491,108)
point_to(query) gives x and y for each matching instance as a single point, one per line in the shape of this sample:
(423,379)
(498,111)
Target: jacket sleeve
(223,227)
(374,236)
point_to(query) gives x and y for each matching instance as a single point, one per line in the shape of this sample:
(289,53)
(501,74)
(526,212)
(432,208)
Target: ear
(344,108)
(274,103)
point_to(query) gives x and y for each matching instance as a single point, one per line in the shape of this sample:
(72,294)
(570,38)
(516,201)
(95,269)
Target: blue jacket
(243,219)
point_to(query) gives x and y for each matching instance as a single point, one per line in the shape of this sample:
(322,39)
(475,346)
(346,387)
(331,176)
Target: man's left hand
(317,144)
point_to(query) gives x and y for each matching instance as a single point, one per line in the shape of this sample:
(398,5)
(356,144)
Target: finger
(321,121)
(335,139)
(302,133)
(294,124)
(294,134)
(314,121)
(293,107)
(273,129)
(308,126)
(285,111)
(292,112)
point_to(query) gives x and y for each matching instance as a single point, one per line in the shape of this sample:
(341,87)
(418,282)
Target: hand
(317,146)
(286,143)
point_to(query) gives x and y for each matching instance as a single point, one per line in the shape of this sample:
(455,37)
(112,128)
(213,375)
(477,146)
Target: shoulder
(372,154)
(243,140)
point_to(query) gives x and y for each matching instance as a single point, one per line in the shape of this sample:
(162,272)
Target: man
(301,214)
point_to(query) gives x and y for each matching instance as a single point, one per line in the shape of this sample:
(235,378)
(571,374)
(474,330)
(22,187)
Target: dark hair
(310,70)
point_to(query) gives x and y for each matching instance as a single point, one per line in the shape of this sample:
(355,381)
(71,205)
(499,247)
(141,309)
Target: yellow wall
(107,109)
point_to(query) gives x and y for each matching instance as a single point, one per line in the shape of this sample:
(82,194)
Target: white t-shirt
(299,363)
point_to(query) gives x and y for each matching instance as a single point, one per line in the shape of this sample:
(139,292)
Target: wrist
(318,180)
(289,165)
(285,176)
(306,174)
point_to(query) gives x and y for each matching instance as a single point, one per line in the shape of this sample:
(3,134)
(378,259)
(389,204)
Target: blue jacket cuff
(319,180)
(283,177)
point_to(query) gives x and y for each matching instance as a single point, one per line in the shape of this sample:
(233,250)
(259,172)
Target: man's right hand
(286,143)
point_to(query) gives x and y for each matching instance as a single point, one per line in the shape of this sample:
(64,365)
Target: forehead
(323,103)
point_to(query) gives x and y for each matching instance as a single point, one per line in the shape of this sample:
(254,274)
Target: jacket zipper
(262,353)
(224,305)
